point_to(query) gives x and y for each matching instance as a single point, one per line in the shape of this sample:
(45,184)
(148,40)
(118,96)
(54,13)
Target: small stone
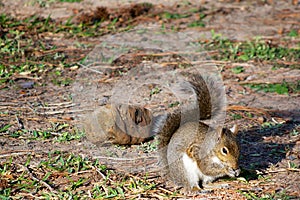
(26,85)
(261,119)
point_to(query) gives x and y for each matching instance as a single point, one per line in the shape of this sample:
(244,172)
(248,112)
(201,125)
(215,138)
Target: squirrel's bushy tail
(211,101)
(211,96)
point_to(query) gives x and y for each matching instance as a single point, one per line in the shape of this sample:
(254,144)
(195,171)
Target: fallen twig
(36,179)
(101,174)
(62,112)
(283,170)
(15,153)
(165,190)
(244,108)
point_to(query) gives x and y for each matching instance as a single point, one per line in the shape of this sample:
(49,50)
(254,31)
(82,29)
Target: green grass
(251,50)
(67,176)
(155,90)
(70,163)
(236,116)
(22,52)
(267,196)
(199,22)
(4,128)
(168,15)
(59,132)
(176,103)
(293,33)
(295,131)
(47,3)
(149,147)
(238,70)
(279,88)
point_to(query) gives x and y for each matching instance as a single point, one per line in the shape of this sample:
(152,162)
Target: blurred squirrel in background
(191,152)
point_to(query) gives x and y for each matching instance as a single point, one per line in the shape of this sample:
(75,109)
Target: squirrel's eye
(224,151)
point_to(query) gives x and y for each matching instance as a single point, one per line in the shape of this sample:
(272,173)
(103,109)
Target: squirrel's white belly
(193,172)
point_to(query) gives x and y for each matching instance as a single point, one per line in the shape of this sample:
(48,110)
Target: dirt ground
(270,156)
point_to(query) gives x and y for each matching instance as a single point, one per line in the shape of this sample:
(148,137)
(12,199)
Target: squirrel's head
(227,150)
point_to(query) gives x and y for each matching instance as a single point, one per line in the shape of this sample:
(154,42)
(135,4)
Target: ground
(45,87)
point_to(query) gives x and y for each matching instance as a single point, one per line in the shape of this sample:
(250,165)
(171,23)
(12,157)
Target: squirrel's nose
(237,172)
(234,172)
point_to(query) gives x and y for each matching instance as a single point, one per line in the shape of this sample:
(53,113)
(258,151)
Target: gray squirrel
(192,152)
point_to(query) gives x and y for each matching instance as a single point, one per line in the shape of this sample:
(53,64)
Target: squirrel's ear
(219,130)
(234,129)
